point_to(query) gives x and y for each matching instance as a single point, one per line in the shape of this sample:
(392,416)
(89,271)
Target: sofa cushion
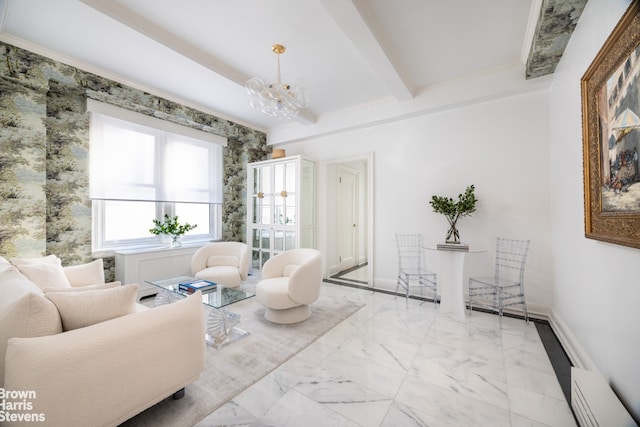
(97,287)
(49,259)
(45,275)
(274,293)
(80,309)
(223,260)
(222,275)
(91,273)
(24,311)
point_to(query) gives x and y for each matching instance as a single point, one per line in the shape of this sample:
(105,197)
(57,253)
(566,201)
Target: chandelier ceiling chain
(277,99)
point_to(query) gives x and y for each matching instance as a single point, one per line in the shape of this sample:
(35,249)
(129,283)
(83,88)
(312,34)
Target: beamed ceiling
(364,62)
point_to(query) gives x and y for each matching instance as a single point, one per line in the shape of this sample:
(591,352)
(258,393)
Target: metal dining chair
(411,266)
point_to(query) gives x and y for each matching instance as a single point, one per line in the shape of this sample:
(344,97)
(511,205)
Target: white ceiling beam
(532,23)
(153,31)
(167,39)
(359,25)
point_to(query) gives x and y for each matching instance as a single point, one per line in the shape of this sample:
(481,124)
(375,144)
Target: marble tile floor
(393,365)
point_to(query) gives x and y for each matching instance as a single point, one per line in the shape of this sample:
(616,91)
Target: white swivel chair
(290,282)
(225,263)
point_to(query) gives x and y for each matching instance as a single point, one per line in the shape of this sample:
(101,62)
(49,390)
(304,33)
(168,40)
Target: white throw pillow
(49,259)
(45,275)
(91,273)
(80,309)
(85,288)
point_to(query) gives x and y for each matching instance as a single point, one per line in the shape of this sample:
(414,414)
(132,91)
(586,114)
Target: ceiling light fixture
(277,99)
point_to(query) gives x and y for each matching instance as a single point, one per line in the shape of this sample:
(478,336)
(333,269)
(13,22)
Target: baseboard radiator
(594,403)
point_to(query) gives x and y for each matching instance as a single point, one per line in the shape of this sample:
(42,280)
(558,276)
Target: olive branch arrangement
(171,227)
(453,210)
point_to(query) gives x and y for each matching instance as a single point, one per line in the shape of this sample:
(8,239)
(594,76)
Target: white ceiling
(363,61)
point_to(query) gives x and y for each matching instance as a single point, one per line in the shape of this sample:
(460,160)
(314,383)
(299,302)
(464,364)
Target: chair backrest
(306,279)
(409,251)
(511,257)
(238,250)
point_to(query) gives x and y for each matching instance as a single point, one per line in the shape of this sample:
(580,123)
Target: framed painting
(611,135)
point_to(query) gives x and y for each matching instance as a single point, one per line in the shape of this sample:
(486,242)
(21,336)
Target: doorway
(349,216)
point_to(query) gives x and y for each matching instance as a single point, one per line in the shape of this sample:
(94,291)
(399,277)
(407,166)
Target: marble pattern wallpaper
(44,154)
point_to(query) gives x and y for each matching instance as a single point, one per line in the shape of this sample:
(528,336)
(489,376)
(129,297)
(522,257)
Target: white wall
(500,146)
(597,285)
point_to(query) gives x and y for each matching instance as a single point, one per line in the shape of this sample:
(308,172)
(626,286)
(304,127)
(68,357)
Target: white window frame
(104,113)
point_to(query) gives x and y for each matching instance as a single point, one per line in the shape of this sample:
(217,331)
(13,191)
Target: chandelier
(277,99)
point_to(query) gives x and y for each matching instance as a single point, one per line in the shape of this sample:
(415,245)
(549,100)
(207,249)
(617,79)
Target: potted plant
(453,210)
(172,228)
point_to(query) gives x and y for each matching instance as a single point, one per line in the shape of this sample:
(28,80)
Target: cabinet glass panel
(265,209)
(290,210)
(280,209)
(256,210)
(291,177)
(265,180)
(255,238)
(279,178)
(265,236)
(255,260)
(265,257)
(278,240)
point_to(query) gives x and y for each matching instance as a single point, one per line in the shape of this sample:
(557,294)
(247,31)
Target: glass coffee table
(221,323)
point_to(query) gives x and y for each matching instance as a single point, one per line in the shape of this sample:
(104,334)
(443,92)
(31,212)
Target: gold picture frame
(610,91)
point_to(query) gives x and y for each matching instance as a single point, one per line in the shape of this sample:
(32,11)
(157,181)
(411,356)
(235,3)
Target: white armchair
(226,263)
(290,282)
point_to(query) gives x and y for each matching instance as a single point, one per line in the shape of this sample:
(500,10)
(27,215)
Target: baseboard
(577,354)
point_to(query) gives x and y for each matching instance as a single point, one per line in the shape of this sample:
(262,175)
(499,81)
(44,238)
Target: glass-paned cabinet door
(261,207)
(278,240)
(260,246)
(279,178)
(290,177)
(281,199)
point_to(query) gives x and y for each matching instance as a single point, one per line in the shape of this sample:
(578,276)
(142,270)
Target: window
(142,168)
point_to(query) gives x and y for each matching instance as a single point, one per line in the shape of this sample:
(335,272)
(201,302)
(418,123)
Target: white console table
(139,265)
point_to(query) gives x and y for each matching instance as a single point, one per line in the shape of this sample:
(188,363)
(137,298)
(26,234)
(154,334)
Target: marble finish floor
(393,365)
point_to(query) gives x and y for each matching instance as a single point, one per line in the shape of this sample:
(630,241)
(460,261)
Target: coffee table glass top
(220,297)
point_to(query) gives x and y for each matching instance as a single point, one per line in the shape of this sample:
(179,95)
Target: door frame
(326,197)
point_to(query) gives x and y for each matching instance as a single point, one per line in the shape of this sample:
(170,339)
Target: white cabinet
(136,266)
(281,207)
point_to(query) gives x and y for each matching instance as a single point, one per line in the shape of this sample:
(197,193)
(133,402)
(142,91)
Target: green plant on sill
(171,227)
(453,210)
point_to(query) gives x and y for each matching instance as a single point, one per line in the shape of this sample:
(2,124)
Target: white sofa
(97,372)
(226,263)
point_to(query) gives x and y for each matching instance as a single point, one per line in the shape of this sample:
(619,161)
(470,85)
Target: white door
(346,222)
